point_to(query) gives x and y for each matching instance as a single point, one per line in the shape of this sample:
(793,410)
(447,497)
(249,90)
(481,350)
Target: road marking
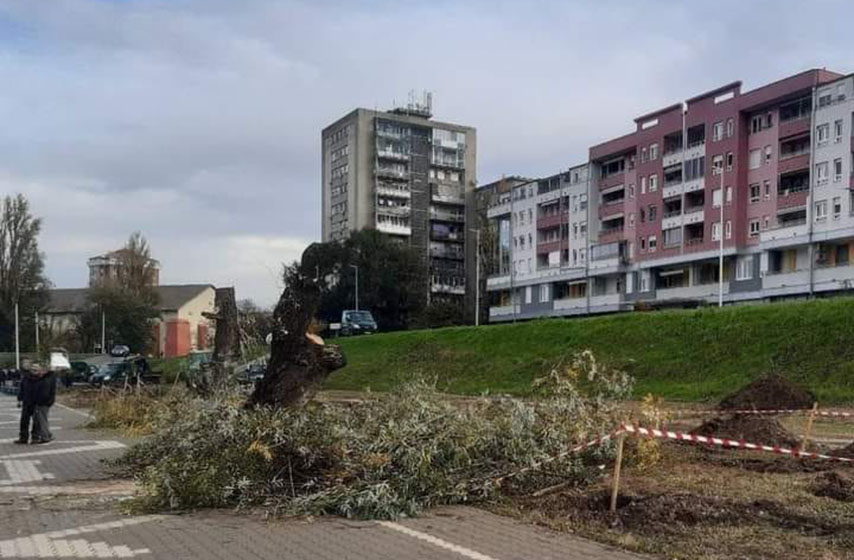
(461,550)
(92,446)
(53,544)
(23,471)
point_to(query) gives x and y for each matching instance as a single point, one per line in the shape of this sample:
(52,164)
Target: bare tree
(22,278)
(136,271)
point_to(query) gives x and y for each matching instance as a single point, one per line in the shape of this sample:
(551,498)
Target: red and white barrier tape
(710,412)
(572,451)
(724,442)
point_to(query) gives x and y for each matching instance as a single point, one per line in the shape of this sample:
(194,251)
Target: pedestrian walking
(37,393)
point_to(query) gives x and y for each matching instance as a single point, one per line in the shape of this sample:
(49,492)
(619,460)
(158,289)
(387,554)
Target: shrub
(385,458)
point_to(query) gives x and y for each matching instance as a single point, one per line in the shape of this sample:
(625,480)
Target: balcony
(780,280)
(393,192)
(503,311)
(792,198)
(834,277)
(793,127)
(694,185)
(442,216)
(675,190)
(794,163)
(671,158)
(398,211)
(612,210)
(695,149)
(395,156)
(578,304)
(394,135)
(607,235)
(448,196)
(612,180)
(447,253)
(671,220)
(786,233)
(453,236)
(549,246)
(610,301)
(701,291)
(498,210)
(439,288)
(694,241)
(391,173)
(693,215)
(498,281)
(554,220)
(393,229)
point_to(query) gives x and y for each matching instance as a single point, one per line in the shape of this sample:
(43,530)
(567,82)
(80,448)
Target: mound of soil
(836,485)
(773,392)
(753,429)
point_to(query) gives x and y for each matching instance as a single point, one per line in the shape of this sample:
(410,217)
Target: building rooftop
(76,300)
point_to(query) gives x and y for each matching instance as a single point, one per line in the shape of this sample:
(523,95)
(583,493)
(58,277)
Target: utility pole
(721,256)
(477,279)
(357,284)
(17,341)
(103,332)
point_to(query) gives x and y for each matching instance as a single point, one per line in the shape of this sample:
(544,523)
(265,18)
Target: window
(821,173)
(642,215)
(632,190)
(767,155)
(837,169)
(755,193)
(716,198)
(653,152)
(822,133)
(837,130)
(716,231)
(717,131)
(837,207)
(767,187)
(644,280)
(755,158)
(632,220)
(582,229)
(744,268)
(544,293)
(717,165)
(755,124)
(821,210)
(643,185)
(644,156)
(766,222)
(728,229)
(643,244)
(653,182)
(729,160)
(528,295)
(652,212)
(653,243)
(754,227)
(730,128)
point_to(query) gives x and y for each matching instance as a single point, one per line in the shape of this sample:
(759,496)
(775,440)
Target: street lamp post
(357,284)
(477,278)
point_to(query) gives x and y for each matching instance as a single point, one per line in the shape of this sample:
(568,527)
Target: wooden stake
(808,430)
(617,466)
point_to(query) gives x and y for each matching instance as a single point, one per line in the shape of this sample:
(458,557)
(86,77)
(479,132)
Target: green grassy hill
(695,355)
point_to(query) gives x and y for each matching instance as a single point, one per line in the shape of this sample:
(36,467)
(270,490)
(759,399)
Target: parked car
(355,322)
(120,351)
(117,373)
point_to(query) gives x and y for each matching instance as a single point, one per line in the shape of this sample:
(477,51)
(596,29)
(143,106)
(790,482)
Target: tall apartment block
(410,177)
(766,172)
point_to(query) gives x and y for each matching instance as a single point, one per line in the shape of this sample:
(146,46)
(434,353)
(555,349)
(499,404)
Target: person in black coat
(37,393)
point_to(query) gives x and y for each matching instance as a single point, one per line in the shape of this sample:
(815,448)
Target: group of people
(36,394)
(9,377)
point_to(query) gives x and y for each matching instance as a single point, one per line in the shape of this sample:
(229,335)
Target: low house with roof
(180,329)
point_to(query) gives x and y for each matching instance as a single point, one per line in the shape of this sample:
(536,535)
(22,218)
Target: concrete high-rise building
(410,177)
(763,177)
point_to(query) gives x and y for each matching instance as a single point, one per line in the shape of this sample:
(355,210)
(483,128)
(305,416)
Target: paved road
(55,502)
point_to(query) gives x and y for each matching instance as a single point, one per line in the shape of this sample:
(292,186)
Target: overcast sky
(198,122)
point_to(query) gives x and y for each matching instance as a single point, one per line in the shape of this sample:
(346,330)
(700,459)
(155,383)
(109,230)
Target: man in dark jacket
(37,394)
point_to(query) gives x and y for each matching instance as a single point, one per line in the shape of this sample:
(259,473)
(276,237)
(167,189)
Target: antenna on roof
(415,107)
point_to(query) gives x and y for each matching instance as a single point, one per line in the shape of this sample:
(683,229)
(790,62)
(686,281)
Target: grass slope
(695,355)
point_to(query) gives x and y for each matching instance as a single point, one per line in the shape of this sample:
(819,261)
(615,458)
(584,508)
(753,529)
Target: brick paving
(56,502)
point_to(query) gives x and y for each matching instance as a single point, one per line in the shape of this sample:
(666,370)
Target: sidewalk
(55,502)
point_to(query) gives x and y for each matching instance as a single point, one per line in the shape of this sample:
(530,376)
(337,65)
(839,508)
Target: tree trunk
(299,362)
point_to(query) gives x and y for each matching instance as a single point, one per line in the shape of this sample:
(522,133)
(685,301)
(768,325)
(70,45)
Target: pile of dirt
(753,429)
(847,451)
(773,392)
(836,485)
